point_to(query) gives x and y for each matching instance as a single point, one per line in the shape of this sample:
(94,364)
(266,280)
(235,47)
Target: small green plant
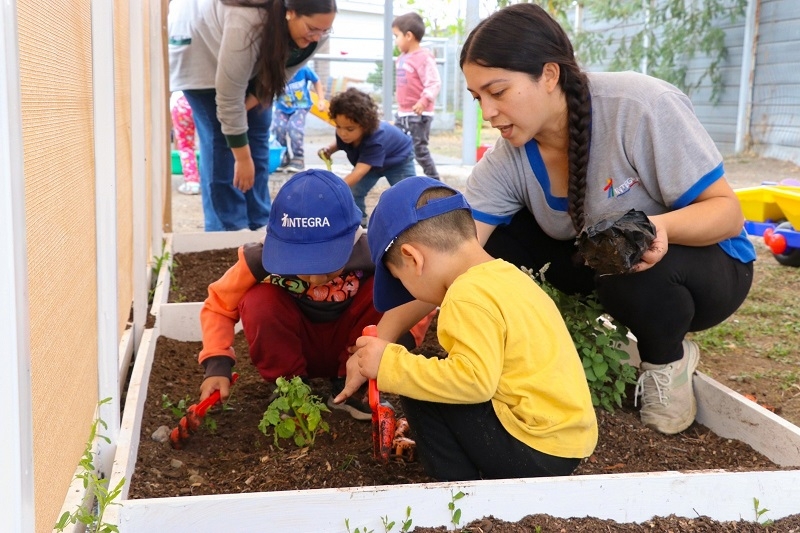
(295,413)
(178,410)
(388,525)
(598,339)
(405,526)
(91,516)
(349,460)
(356,530)
(760,512)
(455,512)
(158,263)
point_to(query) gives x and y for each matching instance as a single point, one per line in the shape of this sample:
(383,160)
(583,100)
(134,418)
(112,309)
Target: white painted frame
(16,449)
(719,495)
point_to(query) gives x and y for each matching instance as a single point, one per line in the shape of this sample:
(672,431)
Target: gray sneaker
(355,407)
(668,403)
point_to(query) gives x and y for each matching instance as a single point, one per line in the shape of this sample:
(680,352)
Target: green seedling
(760,512)
(295,413)
(599,339)
(455,512)
(91,512)
(158,263)
(356,530)
(405,526)
(178,410)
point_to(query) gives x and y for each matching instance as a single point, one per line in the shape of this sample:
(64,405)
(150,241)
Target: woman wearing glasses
(231,58)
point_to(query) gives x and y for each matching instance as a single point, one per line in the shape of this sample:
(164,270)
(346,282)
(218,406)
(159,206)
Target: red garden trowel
(383,422)
(193,418)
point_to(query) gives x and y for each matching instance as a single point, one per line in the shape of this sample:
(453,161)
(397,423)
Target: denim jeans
(392,175)
(226,208)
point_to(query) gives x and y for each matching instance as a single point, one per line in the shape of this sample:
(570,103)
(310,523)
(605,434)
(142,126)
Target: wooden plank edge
(213,240)
(181,321)
(130,427)
(730,415)
(722,496)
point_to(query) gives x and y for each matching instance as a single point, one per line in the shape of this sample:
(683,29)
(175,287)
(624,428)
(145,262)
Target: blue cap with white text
(396,212)
(312,225)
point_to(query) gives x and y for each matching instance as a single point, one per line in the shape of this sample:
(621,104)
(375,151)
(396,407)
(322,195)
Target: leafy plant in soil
(100,497)
(295,413)
(237,458)
(598,338)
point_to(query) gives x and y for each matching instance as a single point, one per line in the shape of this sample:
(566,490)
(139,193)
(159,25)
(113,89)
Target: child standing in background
(289,118)
(183,126)
(374,147)
(418,84)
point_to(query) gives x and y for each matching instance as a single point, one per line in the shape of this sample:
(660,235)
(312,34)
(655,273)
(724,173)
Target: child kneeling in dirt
(303,295)
(510,400)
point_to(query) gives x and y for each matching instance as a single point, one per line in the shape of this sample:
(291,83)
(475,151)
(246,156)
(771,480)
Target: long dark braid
(539,39)
(579,118)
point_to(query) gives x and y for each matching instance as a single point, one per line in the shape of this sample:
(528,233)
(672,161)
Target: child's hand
(369,352)
(418,108)
(352,382)
(213,383)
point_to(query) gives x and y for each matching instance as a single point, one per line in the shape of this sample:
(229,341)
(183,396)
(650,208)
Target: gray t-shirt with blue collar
(648,152)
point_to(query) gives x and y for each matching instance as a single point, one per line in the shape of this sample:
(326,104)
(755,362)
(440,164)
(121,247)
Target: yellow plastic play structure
(316,111)
(772,211)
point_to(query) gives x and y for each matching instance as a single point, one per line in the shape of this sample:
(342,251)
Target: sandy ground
(187,212)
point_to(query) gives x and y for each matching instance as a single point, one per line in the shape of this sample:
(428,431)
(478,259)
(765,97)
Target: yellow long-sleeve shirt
(506,342)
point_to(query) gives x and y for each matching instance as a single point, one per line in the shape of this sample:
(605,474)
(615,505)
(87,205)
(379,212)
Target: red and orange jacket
(323,303)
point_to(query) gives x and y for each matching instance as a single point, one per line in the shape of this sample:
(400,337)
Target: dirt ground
(236,457)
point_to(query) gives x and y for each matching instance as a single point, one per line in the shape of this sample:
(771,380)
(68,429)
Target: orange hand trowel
(383,421)
(193,418)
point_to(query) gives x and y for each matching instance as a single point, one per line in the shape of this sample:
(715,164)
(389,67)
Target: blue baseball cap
(312,225)
(396,212)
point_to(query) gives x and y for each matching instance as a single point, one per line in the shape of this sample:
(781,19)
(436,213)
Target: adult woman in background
(580,147)
(231,58)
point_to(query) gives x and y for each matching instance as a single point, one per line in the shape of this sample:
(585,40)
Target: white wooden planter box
(719,495)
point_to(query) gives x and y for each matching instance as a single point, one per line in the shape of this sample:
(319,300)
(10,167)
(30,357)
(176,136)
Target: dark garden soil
(237,458)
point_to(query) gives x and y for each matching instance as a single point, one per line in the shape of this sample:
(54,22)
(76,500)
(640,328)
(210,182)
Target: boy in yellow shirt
(510,399)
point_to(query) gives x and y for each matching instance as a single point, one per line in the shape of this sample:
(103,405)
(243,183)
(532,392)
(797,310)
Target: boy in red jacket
(303,295)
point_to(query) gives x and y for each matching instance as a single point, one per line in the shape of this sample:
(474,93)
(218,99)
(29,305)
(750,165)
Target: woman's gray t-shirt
(648,152)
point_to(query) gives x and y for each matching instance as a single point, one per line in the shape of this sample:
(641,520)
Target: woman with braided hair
(578,147)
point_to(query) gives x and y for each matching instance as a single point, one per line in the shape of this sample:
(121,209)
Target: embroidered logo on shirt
(619,190)
(304,222)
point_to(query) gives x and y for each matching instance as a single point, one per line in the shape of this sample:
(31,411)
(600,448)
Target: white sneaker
(668,403)
(189,187)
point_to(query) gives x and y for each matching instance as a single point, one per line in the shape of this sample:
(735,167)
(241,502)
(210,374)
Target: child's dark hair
(275,45)
(358,106)
(539,39)
(410,22)
(444,233)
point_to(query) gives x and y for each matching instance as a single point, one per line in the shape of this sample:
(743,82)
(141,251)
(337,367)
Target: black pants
(465,442)
(690,289)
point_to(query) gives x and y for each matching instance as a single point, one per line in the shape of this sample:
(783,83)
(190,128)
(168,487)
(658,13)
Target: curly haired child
(374,147)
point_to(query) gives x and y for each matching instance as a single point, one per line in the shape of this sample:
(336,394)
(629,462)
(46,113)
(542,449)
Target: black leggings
(690,289)
(465,442)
